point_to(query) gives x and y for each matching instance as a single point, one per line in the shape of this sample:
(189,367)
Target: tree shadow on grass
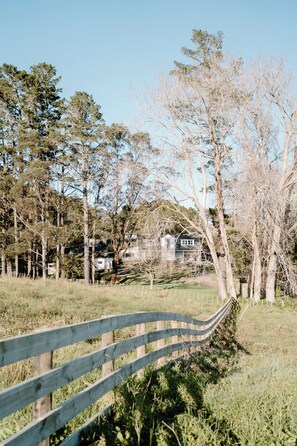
(166,406)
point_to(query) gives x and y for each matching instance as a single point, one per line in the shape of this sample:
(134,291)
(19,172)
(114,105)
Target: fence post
(192,339)
(161,343)
(140,351)
(174,324)
(184,337)
(43,363)
(107,339)
(140,329)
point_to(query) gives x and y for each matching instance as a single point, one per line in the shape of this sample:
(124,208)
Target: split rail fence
(170,333)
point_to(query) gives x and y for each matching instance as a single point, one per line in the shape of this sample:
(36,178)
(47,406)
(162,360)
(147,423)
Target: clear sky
(116,48)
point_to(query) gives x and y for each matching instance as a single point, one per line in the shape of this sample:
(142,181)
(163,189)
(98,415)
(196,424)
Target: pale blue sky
(114,48)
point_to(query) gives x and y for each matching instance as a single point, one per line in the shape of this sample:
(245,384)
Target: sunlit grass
(26,306)
(258,401)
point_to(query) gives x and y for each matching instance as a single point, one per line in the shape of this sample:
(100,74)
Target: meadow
(252,402)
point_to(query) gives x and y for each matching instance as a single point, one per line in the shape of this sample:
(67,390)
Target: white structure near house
(51,269)
(103,264)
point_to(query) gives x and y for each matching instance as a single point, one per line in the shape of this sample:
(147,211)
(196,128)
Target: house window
(187,242)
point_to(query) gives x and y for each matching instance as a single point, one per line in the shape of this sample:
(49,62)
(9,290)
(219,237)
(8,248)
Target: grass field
(257,401)
(26,305)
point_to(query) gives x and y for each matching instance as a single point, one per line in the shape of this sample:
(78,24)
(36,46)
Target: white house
(182,248)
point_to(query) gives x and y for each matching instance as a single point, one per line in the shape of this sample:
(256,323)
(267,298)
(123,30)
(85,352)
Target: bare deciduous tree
(265,183)
(196,113)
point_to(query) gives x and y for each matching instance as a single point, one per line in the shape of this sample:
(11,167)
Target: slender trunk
(9,267)
(223,236)
(43,254)
(61,222)
(43,242)
(3,257)
(216,264)
(93,251)
(272,265)
(251,280)
(57,261)
(93,265)
(151,281)
(256,284)
(222,263)
(115,267)
(257,278)
(86,233)
(29,263)
(63,273)
(16,258)
(3,265)
(220,211)
(36,262)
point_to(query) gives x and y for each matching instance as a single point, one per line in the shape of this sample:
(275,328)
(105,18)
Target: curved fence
(170,332)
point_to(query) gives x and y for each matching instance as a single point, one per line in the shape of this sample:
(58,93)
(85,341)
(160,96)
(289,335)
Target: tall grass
(259,399)
(27,305)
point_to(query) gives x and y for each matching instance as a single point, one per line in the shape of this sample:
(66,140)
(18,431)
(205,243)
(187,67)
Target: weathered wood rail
(184,333)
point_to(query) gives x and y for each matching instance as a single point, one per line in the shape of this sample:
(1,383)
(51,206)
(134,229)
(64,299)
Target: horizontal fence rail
(184,333)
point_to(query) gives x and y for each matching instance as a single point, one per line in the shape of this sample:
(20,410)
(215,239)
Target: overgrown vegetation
(166,406)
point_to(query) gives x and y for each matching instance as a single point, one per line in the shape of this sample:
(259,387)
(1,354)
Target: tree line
(65,175)
(219,161)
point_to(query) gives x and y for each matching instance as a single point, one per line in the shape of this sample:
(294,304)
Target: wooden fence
(170,332)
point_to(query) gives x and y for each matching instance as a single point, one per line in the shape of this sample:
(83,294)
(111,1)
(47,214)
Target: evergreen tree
(84,121)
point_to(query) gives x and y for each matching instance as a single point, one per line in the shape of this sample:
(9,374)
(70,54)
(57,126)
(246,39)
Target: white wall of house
(168,248)
(131,254)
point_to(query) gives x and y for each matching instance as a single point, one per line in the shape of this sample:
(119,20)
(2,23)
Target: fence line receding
(169,332)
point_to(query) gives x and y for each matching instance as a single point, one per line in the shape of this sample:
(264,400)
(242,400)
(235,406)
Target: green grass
(27,305)
(256,401)
(259,399)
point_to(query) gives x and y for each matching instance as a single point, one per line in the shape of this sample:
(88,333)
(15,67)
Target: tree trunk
(3,265)
(222,225)
(272,265)
(36,262)
(93,250)
(61,222)
(16,259)
(93,263)
(29,263)
(151,281)
(86,234)
(58,262)
(256,284)
(63,274)
(43,255)
(9,267)
(115,267)
(217,267)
